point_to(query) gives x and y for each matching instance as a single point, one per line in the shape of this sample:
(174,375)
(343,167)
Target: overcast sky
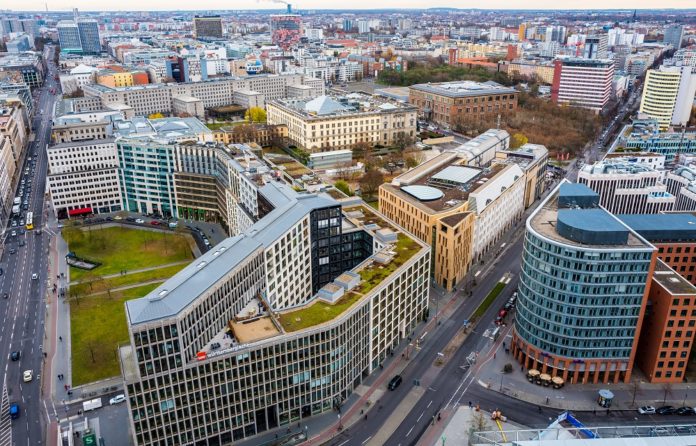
(134,5)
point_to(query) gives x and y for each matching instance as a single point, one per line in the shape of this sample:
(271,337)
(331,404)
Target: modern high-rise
(668,95)
(69,37)
(89,36)
(583,290)
(207,27)
(277,324)
(596,47)
(627,187)
(582,82)
(674,34)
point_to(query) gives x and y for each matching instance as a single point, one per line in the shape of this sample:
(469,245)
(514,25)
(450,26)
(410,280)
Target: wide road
(22,313)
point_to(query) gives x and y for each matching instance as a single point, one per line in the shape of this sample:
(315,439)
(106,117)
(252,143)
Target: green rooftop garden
(375,273)
(317,313)
(320,311)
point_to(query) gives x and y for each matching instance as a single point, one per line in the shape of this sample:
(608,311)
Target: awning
(80,211)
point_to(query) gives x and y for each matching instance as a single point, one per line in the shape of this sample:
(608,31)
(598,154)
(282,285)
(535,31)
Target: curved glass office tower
(582,290)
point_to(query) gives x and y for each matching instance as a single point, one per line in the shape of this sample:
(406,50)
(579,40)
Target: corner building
(274,325)
(582,292)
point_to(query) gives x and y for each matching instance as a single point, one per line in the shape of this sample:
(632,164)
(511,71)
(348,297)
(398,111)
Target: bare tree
(370,182)
(479,422)
(667,387)
(635,387)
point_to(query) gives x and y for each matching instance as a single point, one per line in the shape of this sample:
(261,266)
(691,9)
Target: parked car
(14,411)
(685,411)
(394,382)
(140,221)
(665,410)
(117,399)
(646,410)
(154,223)
(28,376)
(117,217)
(131,219)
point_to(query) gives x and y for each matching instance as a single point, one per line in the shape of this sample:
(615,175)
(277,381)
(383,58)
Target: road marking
(367,439)
(419,418)
(345,442)
(431,402)
(409,431)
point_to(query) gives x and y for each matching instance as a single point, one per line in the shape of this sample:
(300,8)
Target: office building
(89,36)
(674,35)
(69,37)
(668,95)
(627,187)
(453,103)
(533,159)
(582,290)
(460,209)
(595,47)
(582,83)
(83,177)
(669,144)
(27,68)
(261,134)
(267,345)
(331,122)
(20,44)
(207,27)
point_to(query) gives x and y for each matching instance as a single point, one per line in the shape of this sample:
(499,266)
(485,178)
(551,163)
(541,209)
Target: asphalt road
(22,313)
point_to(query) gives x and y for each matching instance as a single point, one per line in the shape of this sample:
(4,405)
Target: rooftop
(613,167)
(589,228)
(442,183)
(346,105)
(669,227)
(460,89)
(671,280)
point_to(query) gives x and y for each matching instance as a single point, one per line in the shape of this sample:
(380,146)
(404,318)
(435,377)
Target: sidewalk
(576,397)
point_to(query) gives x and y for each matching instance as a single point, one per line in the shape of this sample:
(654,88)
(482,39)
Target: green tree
(343,187)
(255,114)
(518,140)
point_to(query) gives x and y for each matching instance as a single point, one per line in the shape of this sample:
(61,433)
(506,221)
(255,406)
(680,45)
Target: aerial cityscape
(347,224)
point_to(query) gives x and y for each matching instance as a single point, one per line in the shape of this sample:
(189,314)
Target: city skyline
(251,5)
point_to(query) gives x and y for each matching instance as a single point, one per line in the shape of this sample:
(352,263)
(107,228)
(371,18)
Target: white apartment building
(498,204)
(626,187)
(7,171)
(681,182)
(582,82)
(331,123)
(668,95)
(83,177)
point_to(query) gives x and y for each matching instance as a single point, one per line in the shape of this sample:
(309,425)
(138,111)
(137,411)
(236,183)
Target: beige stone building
(332,123)
(460,209)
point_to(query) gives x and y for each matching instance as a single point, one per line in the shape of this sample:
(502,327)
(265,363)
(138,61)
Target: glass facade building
(582,291)
(89,36)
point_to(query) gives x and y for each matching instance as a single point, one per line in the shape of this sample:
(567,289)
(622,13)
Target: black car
(685,411)
(13,251)
(665,410)
(15,355)
(394,383)
(131,219)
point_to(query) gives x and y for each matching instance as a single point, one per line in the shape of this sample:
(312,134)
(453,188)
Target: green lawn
(97,327)
(119,248)
(488,300)
(99,285)
(317,313)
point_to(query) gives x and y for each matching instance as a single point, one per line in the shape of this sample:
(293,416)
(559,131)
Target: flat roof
(254,330)
(671,280)
(460,89)
(669,227)
(457,174)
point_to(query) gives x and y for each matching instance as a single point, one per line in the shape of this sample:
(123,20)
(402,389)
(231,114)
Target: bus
(30,221)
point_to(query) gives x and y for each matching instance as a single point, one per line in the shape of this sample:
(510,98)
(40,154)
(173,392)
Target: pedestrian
(60,338)
(65,386)
(547,400)
(469,404)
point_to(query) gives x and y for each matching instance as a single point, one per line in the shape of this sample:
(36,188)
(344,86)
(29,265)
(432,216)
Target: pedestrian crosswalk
(5,420)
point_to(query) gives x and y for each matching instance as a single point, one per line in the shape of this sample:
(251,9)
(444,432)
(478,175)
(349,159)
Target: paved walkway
(576,397)
(134,271)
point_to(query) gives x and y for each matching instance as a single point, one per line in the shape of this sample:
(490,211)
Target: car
(498,320)
(14,411)
(13,233)
(685,411)
(22,242)
(14,223)
(15,355)
(665,410)
(507,306)
(27,376)
(646,410)
(502,313)
(131,219)
(21,222)
(154,223)
(25,207)
(140,221)
(117,399)
(13,251)
(395,382)
(1,271)
(34,276)
(117,217)
(5,295)
(109,219)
